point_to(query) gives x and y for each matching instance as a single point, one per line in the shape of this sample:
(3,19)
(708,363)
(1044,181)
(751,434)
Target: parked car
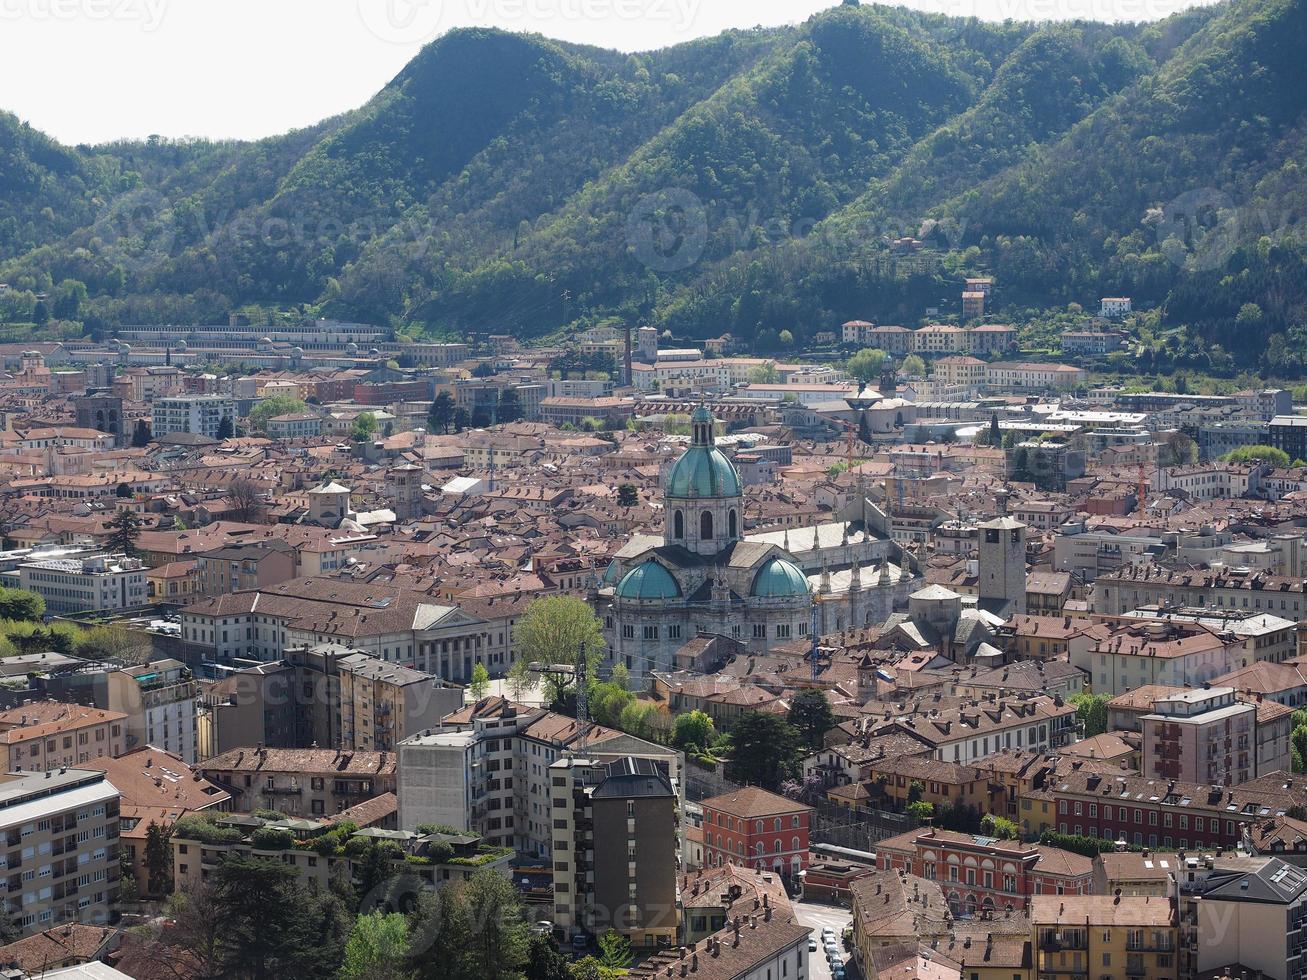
(812,945)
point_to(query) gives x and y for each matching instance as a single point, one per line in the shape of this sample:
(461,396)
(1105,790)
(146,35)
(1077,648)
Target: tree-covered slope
(749,182)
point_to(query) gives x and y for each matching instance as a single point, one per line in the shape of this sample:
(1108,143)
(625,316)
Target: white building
(100,583)
(199,414)
(72,812)
(160,701)
(1115,307)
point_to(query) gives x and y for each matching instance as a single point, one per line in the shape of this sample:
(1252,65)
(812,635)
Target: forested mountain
(750,182)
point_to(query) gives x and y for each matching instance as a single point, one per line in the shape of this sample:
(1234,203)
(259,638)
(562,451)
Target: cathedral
(703,575)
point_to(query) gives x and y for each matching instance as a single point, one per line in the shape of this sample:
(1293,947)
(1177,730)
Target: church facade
(703,575)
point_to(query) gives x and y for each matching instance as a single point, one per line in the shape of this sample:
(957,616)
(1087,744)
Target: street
(820,916)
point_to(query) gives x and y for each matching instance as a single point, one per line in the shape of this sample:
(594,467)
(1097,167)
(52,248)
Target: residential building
(1017,376)
(49,735)
(242,567)
(1201,736)
(61,830)
(1100,800)
(1114,307)
(1257,919)
(486,770)
(296,425)
(300,782)
(614,837)
(159,701)
(1105,935)
(197,848)
(753,827)
(985,875)
(103,583)
(198,414)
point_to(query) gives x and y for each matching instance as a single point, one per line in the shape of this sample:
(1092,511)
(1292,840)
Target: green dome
(648,581)
(779,579)
(703,471)
(610,573)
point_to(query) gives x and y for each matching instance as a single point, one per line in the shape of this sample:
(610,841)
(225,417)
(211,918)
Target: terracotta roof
(303,761)
(71,944)
(149,776)
(753,801)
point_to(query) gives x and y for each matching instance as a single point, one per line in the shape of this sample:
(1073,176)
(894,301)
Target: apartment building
(1105,935)
(1256,918)
(198,414)
(102,583)
(52,735)
(1087,800)
(391,624)
(486,770)
(329,695)
(159,702)
(614,832)
(199,846)
(1201,736)
(1018,376)
(240,567)
(1220,589)
(300,782)
(981,874)
(758,829)
(60,833)
(1157,652)
(295,425)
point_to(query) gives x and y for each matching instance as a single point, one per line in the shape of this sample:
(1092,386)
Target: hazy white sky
(94,70)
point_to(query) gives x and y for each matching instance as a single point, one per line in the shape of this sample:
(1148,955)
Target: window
(678,524)
(705,526)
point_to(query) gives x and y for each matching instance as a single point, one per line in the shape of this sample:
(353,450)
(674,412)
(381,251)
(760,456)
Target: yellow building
(1104,936)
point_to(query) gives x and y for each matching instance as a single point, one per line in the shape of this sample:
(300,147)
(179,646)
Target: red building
(389,392)
(1155,813)
(757,829)
(984,873)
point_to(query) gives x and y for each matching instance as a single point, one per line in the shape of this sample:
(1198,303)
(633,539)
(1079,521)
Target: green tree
(67,298)
(483,370)
(226,429)
(141,434)
(557,631)
(811,716)
(377,948)
(271,408)
(22,605)
(544,962)
(1258,454)
(614,950)
(1091,712)
(921,811)
(693,728)
(766,750)
(764,374)
(627,495)
(1000,827)
(480,682)
(365,428)
(157,859)
(124,531)
(441,415)
(865,365)
(510,406)
(913,366)
(1299,739)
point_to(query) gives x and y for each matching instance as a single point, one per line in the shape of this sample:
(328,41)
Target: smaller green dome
(648,581)
(610,573)
(780,578)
